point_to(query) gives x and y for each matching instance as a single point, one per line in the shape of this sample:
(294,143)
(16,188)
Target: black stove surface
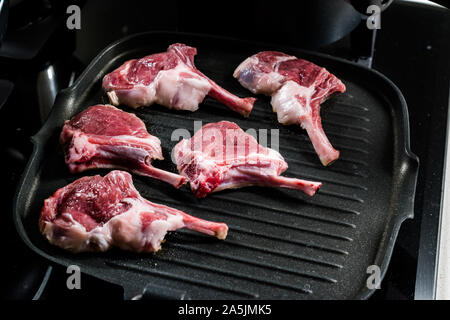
(413,55)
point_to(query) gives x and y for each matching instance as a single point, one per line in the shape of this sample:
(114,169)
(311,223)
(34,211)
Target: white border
(443,272)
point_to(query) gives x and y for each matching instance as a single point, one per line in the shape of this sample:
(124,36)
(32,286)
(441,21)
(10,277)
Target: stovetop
(414,56)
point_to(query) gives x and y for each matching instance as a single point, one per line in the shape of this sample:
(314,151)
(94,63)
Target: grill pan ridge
(281,244)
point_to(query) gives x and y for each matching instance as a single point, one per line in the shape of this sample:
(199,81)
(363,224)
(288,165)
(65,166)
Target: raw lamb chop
(222,156)
(297,87)
(169,79)
(103,136)
(96,213)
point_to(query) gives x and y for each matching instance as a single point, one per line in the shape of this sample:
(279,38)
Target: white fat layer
(150,140)
(125,70)
(285,103)
(245,65)
(156,232)
(128,229)
(124,231)
(82,148)
(181,92)
(182,153)
(76,238)
(262,83)
(268,83)
(138,96)
(282,59)
(170,89)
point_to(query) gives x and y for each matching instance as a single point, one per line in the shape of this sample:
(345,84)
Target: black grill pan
(282,244)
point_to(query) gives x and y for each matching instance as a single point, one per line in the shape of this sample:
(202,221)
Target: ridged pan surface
(282,244)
